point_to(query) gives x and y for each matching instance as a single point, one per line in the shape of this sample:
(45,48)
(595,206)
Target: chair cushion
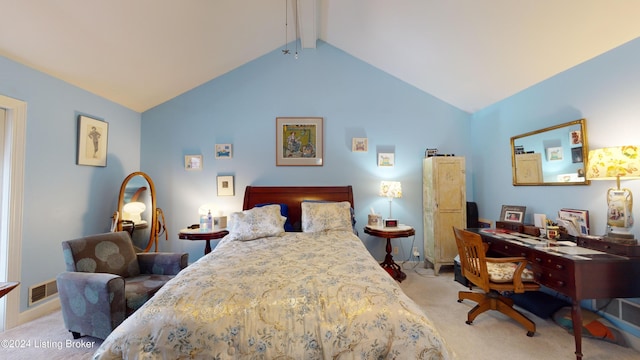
(503,272)
(141,288)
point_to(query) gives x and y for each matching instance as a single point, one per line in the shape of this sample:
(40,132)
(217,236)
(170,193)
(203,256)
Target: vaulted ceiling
(469,53)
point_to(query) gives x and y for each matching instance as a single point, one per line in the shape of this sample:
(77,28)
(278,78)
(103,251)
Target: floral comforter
(295,296)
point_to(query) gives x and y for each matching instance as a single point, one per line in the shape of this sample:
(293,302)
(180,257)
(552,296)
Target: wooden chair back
(473,261)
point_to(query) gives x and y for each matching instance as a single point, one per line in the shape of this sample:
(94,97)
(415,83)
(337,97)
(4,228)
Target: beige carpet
(492,335)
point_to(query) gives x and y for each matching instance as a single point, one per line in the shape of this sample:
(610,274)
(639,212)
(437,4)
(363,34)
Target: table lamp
(616,163)
(390,190)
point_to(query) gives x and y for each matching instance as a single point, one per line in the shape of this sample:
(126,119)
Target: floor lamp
(616,163)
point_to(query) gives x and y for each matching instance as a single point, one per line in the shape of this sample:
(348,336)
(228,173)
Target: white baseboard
(38,311)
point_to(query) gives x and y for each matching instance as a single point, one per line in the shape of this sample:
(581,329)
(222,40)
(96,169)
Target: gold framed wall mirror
(555,155)
(137,211)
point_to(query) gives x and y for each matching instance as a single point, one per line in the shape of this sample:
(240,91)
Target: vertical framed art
(299,141)
(225,185)
(93,137)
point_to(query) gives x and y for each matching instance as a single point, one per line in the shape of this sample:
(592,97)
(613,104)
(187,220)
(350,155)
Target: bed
(314,292)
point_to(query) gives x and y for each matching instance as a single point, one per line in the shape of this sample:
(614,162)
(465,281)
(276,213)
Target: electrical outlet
(395,250)
(415,251)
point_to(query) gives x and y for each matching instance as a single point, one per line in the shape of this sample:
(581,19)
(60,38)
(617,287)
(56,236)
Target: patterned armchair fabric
(106,281)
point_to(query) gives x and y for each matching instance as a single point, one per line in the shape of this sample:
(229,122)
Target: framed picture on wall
(575,137)
(223,151)
(359,144)
(576,154)
(193,162)
(93,138)
(299,141)
(386,159)
(554,153)
(225,186)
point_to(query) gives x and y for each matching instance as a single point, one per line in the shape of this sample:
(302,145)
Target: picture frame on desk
(513,213)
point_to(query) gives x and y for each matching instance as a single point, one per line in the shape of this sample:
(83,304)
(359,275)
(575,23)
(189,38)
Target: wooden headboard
(293,196)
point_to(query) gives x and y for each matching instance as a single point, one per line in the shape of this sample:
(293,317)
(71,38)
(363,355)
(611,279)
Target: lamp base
(621,238)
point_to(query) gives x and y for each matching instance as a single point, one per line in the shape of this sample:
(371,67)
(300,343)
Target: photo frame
(193,162)
(225,185)
(513,213)
(575,137)
(554,153)
(359,145)
(224,151)
(576,155)
(386,159)
(93,140)
(299,141)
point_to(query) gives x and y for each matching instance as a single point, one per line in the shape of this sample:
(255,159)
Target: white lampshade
(390,189)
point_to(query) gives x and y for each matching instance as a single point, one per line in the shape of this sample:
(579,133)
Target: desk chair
(494,276)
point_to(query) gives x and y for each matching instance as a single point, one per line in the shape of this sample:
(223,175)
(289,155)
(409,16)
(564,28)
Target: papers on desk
(576,250)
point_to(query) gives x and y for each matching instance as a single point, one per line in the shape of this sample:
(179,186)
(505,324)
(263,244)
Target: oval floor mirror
(137,212)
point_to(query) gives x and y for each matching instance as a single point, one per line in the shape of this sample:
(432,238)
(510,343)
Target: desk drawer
(552,271)
(506,249)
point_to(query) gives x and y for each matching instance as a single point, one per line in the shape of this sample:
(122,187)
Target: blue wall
(64,201)
(604,91)
(355,100)
(61,199)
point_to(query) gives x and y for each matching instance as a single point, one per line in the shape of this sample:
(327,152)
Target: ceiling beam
(307,11)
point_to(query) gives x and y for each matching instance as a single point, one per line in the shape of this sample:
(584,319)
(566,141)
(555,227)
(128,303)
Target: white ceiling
(469,53)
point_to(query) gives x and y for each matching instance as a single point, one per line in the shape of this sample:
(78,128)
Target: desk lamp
(616,163)
(390,190)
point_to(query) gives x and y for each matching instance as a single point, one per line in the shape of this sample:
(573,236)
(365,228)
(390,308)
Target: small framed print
(575,137)
(193,162)
(386,159)
(576,155)
(513,213)
(223,151)
(225,186)
(359,145)
(554,153)
(93,137)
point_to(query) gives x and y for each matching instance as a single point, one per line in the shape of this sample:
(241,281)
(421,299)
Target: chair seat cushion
(503,272)
(139,289)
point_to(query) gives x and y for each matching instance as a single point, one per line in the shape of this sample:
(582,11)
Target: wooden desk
(197,234)
(597,275)
(5,287)
(391,233)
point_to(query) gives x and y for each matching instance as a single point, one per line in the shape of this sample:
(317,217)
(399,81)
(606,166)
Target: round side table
(391,233)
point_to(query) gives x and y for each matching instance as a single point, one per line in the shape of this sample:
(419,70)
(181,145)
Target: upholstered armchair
(106,281)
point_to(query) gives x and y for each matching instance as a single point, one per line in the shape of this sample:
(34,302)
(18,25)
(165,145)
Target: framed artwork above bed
(299,141)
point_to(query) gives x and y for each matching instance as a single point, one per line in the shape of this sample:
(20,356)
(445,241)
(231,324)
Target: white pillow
(256,223)
(322,216)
